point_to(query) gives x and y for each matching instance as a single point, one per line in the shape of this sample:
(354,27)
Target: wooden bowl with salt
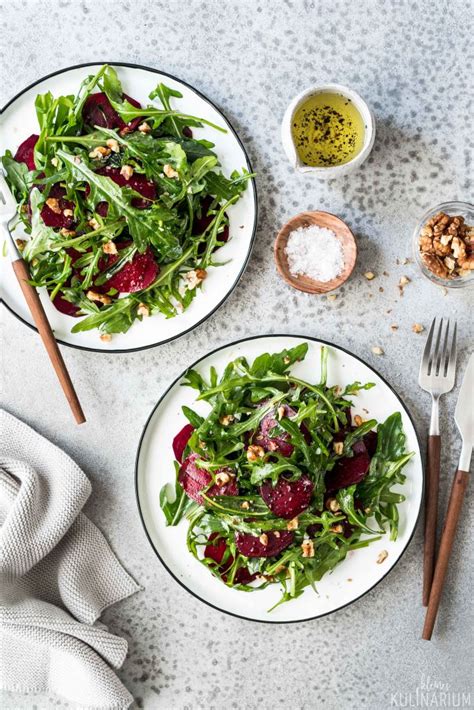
(342,233)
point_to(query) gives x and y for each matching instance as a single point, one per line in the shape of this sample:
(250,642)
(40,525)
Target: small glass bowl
(466,210)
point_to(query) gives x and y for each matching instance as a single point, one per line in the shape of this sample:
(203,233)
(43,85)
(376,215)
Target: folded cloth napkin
(57,575)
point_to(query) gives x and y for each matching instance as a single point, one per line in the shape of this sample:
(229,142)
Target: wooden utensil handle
(431,512)
(447,539)
(39,316)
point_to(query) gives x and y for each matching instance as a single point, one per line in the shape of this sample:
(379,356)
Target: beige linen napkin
(57,575)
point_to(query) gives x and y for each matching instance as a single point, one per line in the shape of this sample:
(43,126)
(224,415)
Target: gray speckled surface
(413,62)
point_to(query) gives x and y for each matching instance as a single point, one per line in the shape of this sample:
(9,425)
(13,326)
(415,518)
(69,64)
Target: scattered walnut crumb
(382,557)
(193,278)
(263,539)
(143,310)
(377,350)
(331,296)
(417,328)
(385,273)
(68,212)
(358,420)
(349,579)
(222,478)
(381,289)
(53,204)
(332,505)
(113,145)
(255,452)
(109,248)
(338,528)
(338,447)
(307,548)
(99,297)
(286,360)
(279,569)
(292,524)
(226,419)
(126,171)
(106,337)
(394,326)
(99,153)
(369,275)
(169,171)
(94,223)
(21,244)
(276,533)
(245,505)
(281,412)
(144,127)
(404,281)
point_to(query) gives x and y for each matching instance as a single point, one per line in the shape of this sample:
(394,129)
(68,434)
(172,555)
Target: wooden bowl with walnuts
(443,244)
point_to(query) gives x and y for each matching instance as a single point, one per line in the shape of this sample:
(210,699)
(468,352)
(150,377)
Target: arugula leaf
(174,504)
(43,238)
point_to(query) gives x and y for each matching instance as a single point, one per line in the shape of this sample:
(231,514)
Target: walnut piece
(446,244)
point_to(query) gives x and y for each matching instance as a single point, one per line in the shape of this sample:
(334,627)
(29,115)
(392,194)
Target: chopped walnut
(292,524)
(169,171)
(226,419)
(94,224)
(263,539)
(126,171)
(369,275)
(106,337)
(99,297)
(332,505)
(143,310)
(358,420)
(53,204)
(382,557)
(394,326)
(338,447)
(307,547)
(68,212)
(377,350)
(449,255)
(222,478)
(255,452)
(338,528)
(245,505)
(109,248)
(99,153)
(193,278)
(281,412)
(144,127)
(417,328)
(113,145)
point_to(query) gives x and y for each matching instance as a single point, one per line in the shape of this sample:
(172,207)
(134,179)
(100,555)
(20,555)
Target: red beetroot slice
(288,498)
(180,441)
(25,152)
(216,551)
(278,443)
(58,220)
(201,223)
(136,274)
(137,182)
(69,309)
(193,479)
(370,441)
(98,111)
(350,469)
(251,546)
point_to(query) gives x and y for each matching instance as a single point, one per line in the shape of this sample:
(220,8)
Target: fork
(437,375)
(8,208)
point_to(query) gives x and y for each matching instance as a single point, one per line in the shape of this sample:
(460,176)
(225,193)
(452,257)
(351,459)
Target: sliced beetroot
(136,275)
(287,499)
(187,132)
(25,152)
(193,479)
(251,545)
(55,217)
(180,441)
(201,223)
(102,208)
(98,111)
(349,470)
(69,309)
(137,182)
(215,550)
(279,443)
(370,441)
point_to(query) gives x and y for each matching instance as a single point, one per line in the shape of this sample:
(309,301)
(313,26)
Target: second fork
(437,375)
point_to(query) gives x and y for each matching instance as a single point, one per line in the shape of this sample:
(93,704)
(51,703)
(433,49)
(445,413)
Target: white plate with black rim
(352,578)
(18,121)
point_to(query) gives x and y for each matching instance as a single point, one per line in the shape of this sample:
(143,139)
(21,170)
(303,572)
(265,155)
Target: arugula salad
(124,208)
(279,481)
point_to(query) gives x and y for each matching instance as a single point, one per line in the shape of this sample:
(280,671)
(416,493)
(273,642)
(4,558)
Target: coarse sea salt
(315,252)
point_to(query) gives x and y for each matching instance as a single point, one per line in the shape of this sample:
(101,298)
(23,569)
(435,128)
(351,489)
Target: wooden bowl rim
(305,284)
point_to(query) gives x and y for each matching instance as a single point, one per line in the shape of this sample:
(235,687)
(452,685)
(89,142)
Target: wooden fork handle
(447,539)
(431,512)
(39,316)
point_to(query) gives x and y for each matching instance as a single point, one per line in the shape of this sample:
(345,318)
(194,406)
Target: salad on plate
(279,482)
(123,208)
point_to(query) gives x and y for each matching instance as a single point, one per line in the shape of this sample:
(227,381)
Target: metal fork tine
(425,361)
(451,362)
(445,353)
(437,354)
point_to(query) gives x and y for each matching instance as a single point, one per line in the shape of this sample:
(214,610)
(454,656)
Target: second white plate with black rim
(351,579)
(18,121)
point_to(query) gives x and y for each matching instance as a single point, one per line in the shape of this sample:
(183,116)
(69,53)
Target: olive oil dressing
(327,130)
